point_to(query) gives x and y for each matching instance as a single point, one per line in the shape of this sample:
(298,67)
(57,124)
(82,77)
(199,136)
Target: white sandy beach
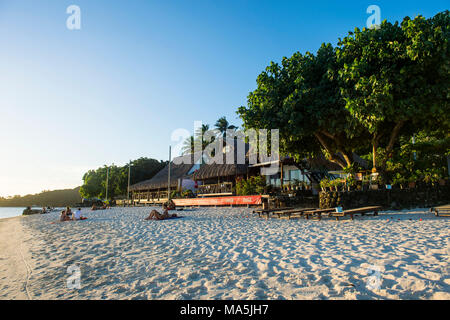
(225,253)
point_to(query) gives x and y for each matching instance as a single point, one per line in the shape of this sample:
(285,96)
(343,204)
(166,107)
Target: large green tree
(395,79)
(302,98)
(94,181)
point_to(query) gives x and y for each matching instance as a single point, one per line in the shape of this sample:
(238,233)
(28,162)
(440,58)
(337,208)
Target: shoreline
(224,253)
(15,259)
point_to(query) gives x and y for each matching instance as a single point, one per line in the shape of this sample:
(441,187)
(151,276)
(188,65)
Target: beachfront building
(305,174)
(205,176)
(155,190)
(218,178)
(281,173)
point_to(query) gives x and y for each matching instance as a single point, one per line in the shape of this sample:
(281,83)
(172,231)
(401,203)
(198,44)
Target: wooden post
(107,178)
(128,189)
(281,175)
(168,185)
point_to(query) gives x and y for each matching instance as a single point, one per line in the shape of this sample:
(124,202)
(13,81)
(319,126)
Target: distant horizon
(115,90)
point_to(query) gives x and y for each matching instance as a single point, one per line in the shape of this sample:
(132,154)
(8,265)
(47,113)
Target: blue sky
(137,70)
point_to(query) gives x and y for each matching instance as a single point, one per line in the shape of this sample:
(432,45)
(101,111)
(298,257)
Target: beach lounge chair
(353,212)
(292,213)
(442,211)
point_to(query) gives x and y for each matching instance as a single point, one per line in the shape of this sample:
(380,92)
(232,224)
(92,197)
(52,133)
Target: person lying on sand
(77,215)
(155,215)
(104,207)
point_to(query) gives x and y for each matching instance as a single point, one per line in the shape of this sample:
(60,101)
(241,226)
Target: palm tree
(200,133)
(223,125)
(188,145)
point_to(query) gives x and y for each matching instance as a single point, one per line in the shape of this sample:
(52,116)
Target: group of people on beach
(67,215)
(46,210)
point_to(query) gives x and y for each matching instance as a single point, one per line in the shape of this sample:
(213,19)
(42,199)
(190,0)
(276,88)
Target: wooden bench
(289,213)
(442,211)
(352,212)
(317,212)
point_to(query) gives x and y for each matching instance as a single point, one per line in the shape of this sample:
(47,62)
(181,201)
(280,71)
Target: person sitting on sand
(68,212)
(64,216)
(171,205)
(155,215)
(77,215)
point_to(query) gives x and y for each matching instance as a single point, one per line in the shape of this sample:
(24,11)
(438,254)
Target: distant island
(93,185)
(56,198)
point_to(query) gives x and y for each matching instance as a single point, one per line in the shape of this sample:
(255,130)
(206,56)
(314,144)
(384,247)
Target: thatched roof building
(210,171)
(179,168)
(235,153)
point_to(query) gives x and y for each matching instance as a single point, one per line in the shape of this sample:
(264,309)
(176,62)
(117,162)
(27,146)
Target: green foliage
(395,78)
(189,145)
(399,180)
(337,184)
(299,183)
(351,169)
(175,195)
(94,181)
(334,184)
(301,97)
(430,149)
(431,176)
(253,186)
(187,194)
(325,183)
(223,125)
(376,87)
(350,181)
(198,140)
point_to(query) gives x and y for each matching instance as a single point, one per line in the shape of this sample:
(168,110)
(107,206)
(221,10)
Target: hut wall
(188,184)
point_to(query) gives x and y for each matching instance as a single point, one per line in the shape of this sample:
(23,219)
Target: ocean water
(9,212)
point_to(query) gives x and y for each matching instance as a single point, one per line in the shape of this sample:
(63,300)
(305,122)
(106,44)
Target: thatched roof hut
(236,152)
(210,171)
(179,168)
